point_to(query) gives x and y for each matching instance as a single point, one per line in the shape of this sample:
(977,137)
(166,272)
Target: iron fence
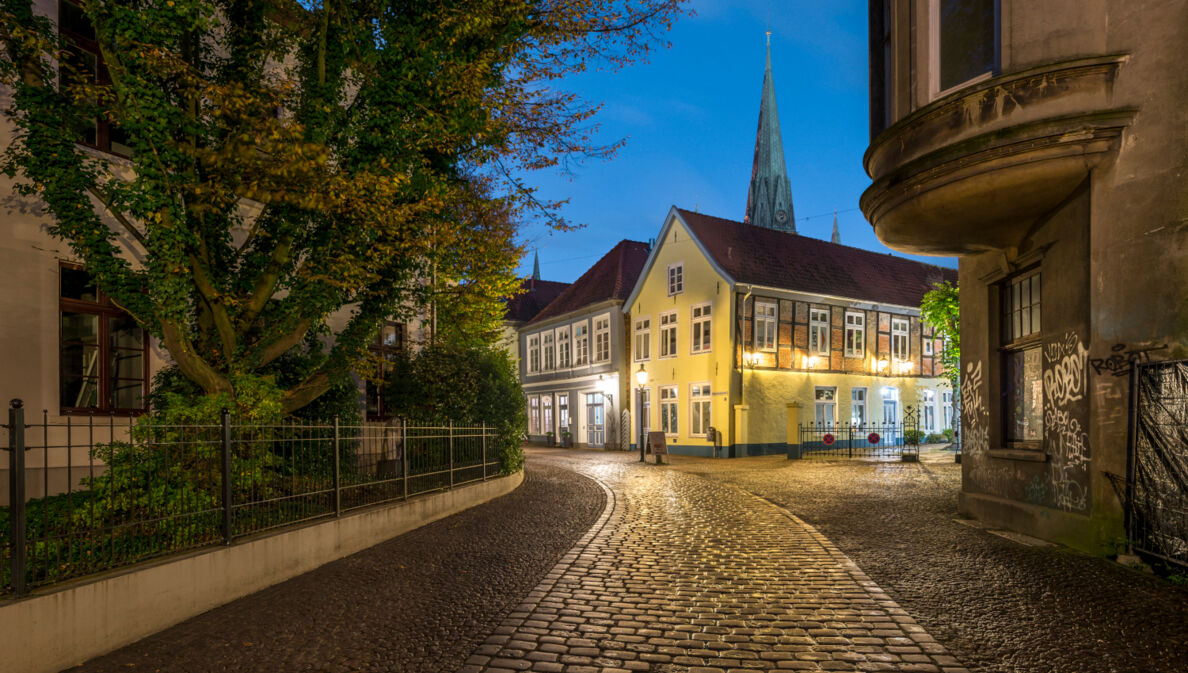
(88,495)
(869,440)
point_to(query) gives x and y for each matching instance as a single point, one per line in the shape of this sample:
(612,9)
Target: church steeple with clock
(769,199)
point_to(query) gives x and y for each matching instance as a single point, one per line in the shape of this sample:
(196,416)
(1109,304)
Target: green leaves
(940,308)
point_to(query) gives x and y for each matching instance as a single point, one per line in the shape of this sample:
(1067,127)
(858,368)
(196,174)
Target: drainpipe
(738,338)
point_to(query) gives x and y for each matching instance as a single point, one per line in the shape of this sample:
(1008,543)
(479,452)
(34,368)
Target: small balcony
(974,170)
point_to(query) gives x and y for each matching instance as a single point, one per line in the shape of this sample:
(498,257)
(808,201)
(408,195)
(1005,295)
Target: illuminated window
(668,409)
(825,406)
(900,349)
(388,345)
(765,325)
(643,339)
(855,335)
(819,331)
(701,328)
(699,409)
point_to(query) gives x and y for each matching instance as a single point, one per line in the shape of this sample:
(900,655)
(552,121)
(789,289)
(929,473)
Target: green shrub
(465,385)
(913,436)
(935,438)
(948,433)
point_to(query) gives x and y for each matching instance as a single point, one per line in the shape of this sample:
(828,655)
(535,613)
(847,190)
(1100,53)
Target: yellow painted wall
(701,284)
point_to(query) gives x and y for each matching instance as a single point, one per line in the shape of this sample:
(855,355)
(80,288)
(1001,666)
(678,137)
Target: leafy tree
(940,310)
(300,167)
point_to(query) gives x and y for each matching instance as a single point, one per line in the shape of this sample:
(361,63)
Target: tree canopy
(296,168)
(940,309)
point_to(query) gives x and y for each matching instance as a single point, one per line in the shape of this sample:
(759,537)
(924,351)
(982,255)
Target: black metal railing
(89,494)
(869,440)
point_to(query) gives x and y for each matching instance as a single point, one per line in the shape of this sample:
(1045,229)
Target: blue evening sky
(689,117)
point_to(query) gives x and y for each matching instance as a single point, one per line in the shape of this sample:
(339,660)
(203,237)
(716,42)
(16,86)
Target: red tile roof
(533,296)
(759,256)
(612,277)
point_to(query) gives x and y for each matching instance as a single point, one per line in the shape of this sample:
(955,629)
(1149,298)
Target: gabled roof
(758,256)
(612,277)
(533,296)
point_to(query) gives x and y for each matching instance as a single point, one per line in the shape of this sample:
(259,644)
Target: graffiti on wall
(1065,382)
(974,414)
(1122,359)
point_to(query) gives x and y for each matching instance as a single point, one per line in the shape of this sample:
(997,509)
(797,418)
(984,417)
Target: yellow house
(752,331)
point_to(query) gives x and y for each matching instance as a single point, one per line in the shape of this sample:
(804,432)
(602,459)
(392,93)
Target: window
(548,351)
(534,354)
(699,409)
(534,415)
(82,64)
(890,405)
(819,331)
(1023,387)
(602,338)
(563,411)
(855,335)
(546,413)
(701,328)
(668,334)
(388,345)
(643,339)
(964,42)
(103,352)
(928,407)
(668,409)
(825,406)
(899,339)
(581,344)
(928,346)
(562,347)
(645,411)
(947,404)
(676,278)
(858,406)
(765,326)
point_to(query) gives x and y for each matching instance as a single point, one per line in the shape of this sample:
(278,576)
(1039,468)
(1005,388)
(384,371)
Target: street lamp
(641,380)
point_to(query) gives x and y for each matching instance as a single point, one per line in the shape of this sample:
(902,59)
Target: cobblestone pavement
(420,602)
(996,604)
(682,573)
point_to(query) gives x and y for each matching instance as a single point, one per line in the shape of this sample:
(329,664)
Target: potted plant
(566,438)
(549,438)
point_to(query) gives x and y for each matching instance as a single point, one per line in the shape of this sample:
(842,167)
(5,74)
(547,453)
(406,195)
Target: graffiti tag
(1122,360)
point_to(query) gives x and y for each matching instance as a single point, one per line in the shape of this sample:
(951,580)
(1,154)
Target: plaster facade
(1067,158)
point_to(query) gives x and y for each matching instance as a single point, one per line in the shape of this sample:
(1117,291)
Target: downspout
(738,332)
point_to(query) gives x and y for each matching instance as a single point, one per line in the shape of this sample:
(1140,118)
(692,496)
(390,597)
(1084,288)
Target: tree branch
(128,226)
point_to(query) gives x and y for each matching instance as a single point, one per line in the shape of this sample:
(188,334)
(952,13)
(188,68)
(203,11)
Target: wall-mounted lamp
(751,358)
(881,364)
(811,362)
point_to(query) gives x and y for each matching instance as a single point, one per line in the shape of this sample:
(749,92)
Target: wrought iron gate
(866,440)
(1157,501)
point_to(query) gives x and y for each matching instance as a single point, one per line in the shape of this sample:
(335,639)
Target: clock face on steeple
(781,216)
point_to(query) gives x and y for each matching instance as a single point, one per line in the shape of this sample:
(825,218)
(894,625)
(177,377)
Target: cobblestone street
(698,567)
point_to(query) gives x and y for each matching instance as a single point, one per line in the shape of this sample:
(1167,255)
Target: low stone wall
(68,624)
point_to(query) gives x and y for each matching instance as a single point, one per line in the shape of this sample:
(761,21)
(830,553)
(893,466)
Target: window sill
(1029,455)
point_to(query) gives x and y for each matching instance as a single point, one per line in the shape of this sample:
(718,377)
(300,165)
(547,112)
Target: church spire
(535,265)
(836,234)
(769,199)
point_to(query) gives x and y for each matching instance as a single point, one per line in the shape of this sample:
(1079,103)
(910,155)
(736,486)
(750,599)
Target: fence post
(451,454)
(16,493)
(226,441)
(484,451)
(337,472)
(404,455)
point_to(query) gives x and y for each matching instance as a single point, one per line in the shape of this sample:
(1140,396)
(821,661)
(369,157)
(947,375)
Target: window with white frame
(563,352)
(858,406)
(644,399)
(855,334)
(899,339)
(534,354)
(668,409)
(581,344)
(534,415)
(548,352)
(928,406)
(546,413)
(825,405)
(563,411)
(928,346)
(602,338)
(643,339)
(676,278)
(668,334)
(766,323)
(964,42)
(947,407)
(699,409)
(819,331)
(701,328)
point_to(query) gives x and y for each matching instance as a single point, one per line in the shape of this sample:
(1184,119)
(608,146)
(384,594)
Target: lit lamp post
(641,380)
